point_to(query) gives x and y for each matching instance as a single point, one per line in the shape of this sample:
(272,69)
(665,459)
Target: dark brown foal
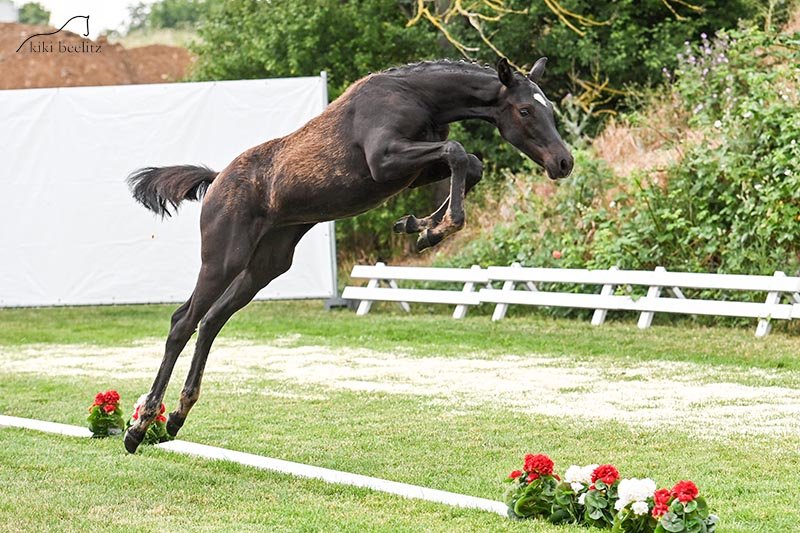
(386,133)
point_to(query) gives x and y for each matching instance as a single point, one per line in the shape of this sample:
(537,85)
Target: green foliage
(34,13)
(243,39)
(169,14)
(248,39)
(690,517)
(598,510)
(543,497)
(732,204)
(104,424)
(637,38)
(626,521)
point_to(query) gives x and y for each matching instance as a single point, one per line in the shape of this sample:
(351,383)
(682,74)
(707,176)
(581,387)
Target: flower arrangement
(157,432)
(105,417)
(595,495)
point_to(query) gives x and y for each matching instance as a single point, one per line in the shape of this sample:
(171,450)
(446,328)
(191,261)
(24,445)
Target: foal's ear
(538,70)
(505,72)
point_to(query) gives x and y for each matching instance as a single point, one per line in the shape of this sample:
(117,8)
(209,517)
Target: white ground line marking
(47,427)
(285,467)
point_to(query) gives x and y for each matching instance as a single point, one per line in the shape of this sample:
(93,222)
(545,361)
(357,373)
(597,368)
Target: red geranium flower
(515,474)
(111,396)
(161,418)
(99,398)
(532,477)
(605,473)
(685,491)
(163,408)
(135,415)
(660,510)
(538,464)
(109,408)
(661,499)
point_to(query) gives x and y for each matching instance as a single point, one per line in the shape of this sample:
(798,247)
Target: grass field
(420,399)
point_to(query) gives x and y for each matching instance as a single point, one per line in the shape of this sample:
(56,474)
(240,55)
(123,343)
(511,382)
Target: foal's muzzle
(559,166)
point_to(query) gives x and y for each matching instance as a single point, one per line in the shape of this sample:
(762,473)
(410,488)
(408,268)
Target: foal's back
(316,173)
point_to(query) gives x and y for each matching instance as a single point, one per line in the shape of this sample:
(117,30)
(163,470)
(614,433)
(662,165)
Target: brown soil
(56,67)
(793,25)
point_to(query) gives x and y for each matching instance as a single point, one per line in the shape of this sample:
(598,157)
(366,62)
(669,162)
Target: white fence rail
(476,285)
(462,299)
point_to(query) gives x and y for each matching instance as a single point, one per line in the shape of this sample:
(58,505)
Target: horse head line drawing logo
(58,30)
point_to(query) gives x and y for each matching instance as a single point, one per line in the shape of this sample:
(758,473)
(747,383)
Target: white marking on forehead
(539,98)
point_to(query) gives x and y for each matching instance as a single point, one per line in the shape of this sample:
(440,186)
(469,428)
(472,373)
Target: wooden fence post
(500,310)
(599,315)
(461,309)
(646,318)
(764,325)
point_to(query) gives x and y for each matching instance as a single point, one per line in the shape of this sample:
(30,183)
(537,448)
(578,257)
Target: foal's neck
(471,94)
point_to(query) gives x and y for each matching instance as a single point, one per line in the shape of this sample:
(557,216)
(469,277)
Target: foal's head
(525,119)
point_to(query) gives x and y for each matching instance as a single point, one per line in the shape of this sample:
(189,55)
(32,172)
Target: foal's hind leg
(226,251)
(272,257)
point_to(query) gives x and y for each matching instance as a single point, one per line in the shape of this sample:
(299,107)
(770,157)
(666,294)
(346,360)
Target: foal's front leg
(412,224)
(401,158)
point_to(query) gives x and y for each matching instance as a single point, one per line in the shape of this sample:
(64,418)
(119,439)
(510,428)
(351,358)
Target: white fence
(478,285)
(70,232)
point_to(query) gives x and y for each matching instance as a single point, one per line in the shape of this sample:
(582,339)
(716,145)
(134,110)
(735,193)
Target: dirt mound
(793,25)
(69,60)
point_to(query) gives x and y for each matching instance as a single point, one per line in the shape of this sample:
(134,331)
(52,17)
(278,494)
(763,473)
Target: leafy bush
(243,39)
(632,42)
(34,13)
(731,204)
(169,14)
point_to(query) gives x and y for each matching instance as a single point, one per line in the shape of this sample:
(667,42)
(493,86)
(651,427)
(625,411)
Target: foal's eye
(524,112)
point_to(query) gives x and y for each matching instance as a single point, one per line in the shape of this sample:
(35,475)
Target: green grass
(750,482)
(389,436)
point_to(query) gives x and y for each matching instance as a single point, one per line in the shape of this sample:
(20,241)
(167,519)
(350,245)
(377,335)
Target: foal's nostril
(565,165)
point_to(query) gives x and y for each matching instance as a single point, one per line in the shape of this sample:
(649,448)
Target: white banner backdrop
(70,232)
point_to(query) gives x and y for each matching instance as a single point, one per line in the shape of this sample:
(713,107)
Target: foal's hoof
(407,224)
(132,440)
(174,424)
(427,240)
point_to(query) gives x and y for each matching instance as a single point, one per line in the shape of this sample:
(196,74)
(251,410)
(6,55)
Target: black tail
(156,187)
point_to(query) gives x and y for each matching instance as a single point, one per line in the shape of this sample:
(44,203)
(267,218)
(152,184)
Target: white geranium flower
(718,124)
(582,499)
(577,486)
(573,474)
(634,490)
(579,474)
(640,508)
(586,473)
